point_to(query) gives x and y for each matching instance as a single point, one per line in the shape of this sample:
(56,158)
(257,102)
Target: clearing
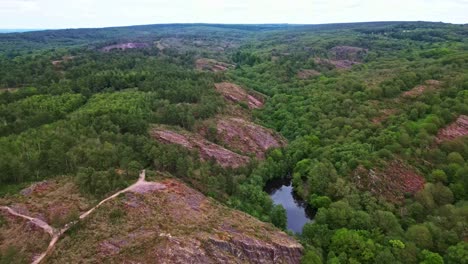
(207,149)
(234,93)
(457,129)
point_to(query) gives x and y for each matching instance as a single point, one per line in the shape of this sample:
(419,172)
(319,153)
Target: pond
(281,192)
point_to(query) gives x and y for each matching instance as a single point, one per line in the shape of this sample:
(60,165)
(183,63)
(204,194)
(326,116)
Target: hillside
(368,121)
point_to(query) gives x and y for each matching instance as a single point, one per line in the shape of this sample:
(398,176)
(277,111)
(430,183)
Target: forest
(368,111)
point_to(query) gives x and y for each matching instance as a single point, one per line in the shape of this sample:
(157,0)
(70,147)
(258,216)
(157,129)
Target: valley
(212,143)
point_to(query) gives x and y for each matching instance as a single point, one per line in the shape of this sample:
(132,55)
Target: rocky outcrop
(234,93)
(125,46)
(206,149)
(420,89)
(392,182)
(339,64)
(175,224)
(307,73)
(247,137)
(204,64)
(457,129)
(348,53)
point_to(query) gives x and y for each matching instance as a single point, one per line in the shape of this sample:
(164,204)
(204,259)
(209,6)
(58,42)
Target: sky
(52,14)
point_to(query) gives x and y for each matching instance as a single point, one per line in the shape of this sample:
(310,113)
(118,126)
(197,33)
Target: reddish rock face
(339,64)
(457,129)
(306,74)
(212,65)
(247,137)
(124,46)
(348,53)
(384,115)
(207,150)
(391,183)
(175,224)
(235,93)
(420,89)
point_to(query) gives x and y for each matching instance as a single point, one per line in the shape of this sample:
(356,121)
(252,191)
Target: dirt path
(37,222)
(44,226)
(140,186)
(141,181)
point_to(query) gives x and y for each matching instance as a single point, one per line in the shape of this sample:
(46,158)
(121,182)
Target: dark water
(281,192)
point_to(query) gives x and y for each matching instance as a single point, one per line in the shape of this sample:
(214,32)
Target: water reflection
(281,192)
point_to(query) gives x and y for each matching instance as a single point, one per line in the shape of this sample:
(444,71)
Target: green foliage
(457,254)
(12,255)
(116,215)
(429,257)
(278,216)
(311,257)
(89,116)
(355,245)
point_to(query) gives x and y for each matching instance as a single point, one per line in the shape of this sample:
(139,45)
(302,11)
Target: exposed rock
(348,53)
(125,46)
(21,234)
(384,115)
(306,74)
(38,188)
(247,137)
(420,89)
(64,59)
(52,201)
(179,225)
(237,94)
(207,150)
(457,129)
(204,64)
(340,64)
(392,182)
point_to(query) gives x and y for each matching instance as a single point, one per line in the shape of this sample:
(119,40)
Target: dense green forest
(358,132)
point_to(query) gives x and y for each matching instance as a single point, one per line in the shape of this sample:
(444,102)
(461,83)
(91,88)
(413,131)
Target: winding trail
(36,221)
(140,186)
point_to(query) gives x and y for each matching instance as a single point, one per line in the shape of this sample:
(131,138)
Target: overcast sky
(103,13)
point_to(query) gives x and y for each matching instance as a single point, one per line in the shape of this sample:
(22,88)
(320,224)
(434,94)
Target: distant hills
(16,30)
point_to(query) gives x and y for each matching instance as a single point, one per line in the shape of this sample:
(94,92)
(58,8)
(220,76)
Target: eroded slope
(206,149)
(173,224)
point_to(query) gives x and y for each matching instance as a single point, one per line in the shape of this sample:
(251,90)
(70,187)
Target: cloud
(100,13)
(18,6)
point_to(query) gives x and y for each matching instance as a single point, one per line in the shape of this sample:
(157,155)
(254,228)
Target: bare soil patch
(55,201)
(384,115)
(64,59)
(234,93)
(339,64)
(125,46)
(177,225)
(22,236)
(391,182)
(207,149)
(348,53)
(212,65)
(306,74)
(457,129)
(420,89)
(247,137)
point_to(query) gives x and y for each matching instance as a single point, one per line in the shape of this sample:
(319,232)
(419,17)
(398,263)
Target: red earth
(204,64)
(420,89)
(247,137)
(306,74)
(234,93)
(457,129)
(207,149)
(391,182)
(124,46)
